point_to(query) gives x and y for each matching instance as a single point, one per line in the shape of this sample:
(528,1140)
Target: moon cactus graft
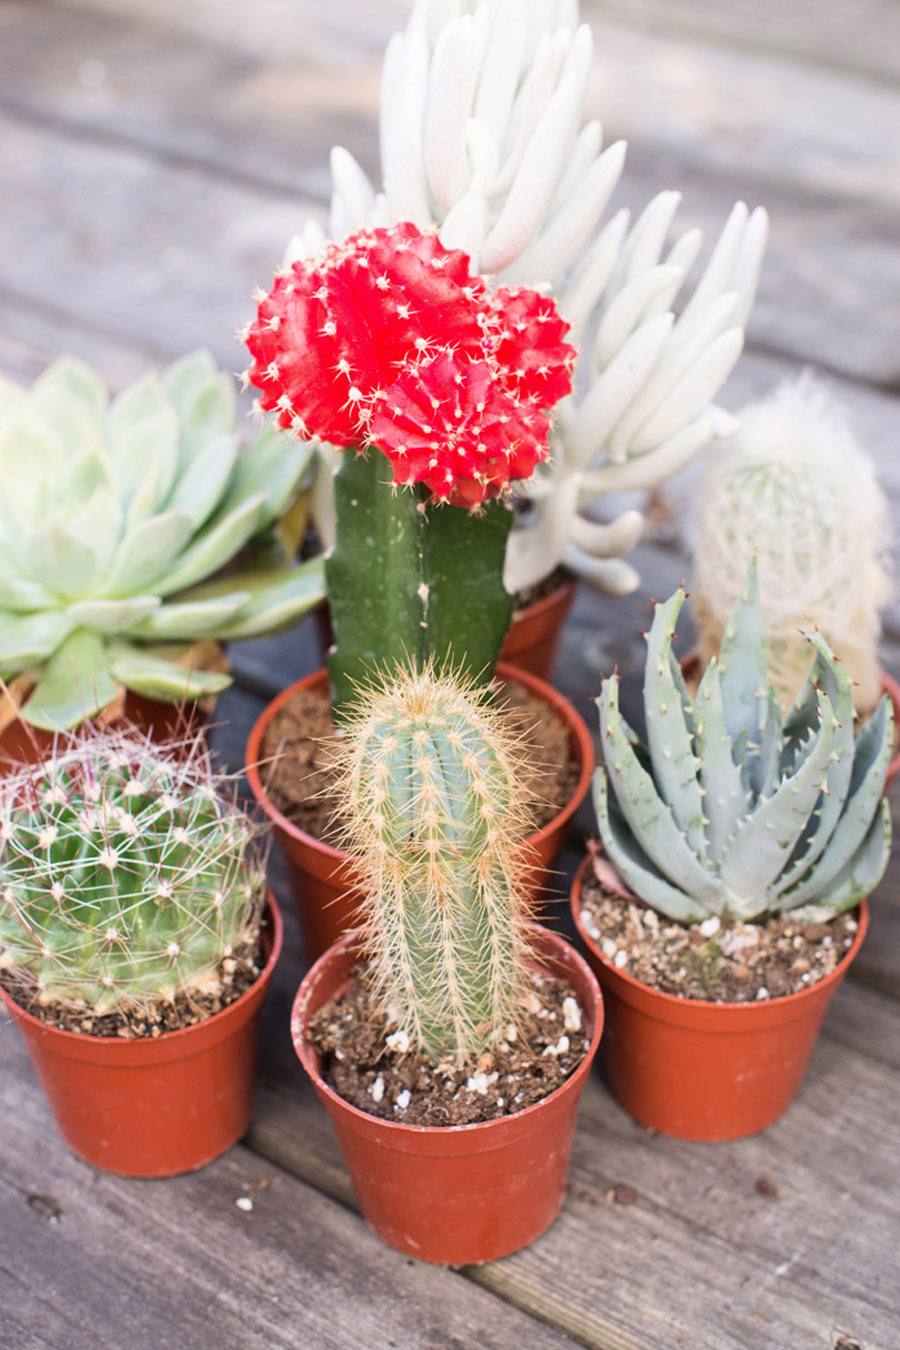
(390,339)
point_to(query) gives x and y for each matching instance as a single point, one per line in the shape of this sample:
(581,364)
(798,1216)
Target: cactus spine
(431,793)
(732,810)
(126,875)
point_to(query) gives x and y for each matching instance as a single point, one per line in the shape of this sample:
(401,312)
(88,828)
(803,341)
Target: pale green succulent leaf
(72,549)
(113,616)
(209,410)
(214,546)
(154,677)
(668,734)
(77,378)
(13,399)
(20,593)
(182,379)
(633,865)
(205,478)
(858,878)
(189,619)
(28,639)
(148,553)
(134,405)
(648,816)
(874,747)
(274,463)
(763,843)
(74,685)
(742,668)
(145,458)
(278,602)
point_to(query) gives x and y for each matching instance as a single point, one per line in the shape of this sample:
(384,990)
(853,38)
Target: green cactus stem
(431,790)
(409,580)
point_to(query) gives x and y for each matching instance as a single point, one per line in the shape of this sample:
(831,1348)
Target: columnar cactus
(795,488)
(114,517)
(127,876)
(432,799)
(731,810)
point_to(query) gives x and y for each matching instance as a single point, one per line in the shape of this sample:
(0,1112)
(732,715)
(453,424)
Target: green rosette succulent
(118,520)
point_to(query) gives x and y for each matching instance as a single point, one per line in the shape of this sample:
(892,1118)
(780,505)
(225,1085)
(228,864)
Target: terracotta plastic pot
(699,1070)
(22,744)
(456,1194)
(531,643)
(154,1108)
(320,875)
(690,666)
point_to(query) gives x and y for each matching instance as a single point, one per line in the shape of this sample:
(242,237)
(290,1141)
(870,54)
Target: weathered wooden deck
(154,158)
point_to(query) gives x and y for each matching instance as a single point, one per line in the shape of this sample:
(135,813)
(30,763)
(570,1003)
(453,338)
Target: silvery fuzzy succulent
(115,518)
(731,810)
(482,137)
(642,406)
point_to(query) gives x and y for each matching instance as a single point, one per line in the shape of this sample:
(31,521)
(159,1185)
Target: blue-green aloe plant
(730,809)
(117,518)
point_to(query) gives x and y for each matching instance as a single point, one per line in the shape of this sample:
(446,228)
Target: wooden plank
(176,1262)
(862,36)
(270,123)
(790,1270)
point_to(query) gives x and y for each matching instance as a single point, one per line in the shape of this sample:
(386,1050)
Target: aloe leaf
(155,677)
(648,816)
(147,553)
(764,841)
(633,865)
(74,685)
(859,877)
(668,734)
(112,616)
(28,639)
(874,746)
(215,546)
(727,799)
(742,670)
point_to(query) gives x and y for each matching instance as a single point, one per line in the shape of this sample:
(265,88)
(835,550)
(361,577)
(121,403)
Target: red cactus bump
(389,339)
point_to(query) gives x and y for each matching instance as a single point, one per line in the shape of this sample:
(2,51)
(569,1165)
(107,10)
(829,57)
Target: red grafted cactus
(389,339)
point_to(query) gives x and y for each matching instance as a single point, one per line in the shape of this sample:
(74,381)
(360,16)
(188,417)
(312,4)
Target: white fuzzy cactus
(795,489)
(482,137)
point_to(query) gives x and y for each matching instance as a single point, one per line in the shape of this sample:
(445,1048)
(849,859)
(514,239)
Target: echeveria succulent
(116,517)
(732,810)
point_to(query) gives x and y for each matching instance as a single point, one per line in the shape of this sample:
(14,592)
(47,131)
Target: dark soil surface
(372,1067)
(236,974)
(298,759)
(730,963)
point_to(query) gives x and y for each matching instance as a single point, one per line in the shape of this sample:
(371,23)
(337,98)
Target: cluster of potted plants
(456,377)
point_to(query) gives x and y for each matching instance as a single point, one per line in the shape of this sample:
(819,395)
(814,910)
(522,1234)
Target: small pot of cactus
(728,897)
(136,947)
(432,408)
(450,1037)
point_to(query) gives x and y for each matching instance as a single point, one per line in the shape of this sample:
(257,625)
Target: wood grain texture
(145,1264)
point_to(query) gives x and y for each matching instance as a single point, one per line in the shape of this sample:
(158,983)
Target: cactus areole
(441,393)
(731,809)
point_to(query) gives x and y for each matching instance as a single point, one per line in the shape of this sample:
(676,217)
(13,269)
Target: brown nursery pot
(320,874)
(457,1194)
(154,1108)
(163,722)
(531,643)
(690,666)
(700,1070)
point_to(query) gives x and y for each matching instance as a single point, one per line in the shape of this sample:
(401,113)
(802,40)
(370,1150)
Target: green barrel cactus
(115,519)
(731,809)
(127,875)
(431,793)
